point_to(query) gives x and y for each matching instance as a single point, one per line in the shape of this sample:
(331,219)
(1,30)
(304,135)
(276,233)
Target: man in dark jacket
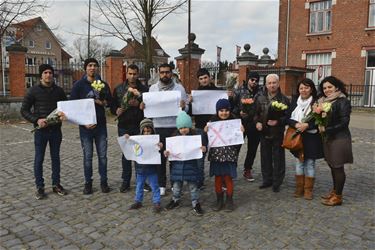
(95,132)
(129,114)
(42,99)
(248,91)
(271,124)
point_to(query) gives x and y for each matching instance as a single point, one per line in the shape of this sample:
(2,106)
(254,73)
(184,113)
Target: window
(322,65)
(320,16)
(38,27)
(370,61)
(48,45)
(50,61)
(30,61)
(30,81)
(371,14)
(31,44)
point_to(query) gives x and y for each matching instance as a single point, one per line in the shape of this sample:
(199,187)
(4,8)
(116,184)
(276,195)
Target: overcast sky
(223,23)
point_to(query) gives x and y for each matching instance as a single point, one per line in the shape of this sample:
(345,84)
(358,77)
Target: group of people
(257,124)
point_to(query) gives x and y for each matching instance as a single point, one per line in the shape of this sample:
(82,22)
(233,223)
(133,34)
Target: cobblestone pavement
(262,219)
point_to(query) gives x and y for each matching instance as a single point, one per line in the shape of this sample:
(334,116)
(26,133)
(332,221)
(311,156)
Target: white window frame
(320,20)
(50,45)
(31,44)
(33,60)
(371,14)
(319,61)
(50,61)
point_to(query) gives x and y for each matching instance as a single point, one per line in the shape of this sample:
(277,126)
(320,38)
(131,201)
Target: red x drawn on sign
(217,133)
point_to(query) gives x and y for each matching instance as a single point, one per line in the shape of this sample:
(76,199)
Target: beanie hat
(222,104)
(146,123)
(44,67)
(89,60)
(254,75)
(183,120)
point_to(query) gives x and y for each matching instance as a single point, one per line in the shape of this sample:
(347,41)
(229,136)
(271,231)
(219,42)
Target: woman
(338,143)
(312,143)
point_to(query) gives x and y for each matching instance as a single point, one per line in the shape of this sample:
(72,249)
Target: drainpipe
(287,34)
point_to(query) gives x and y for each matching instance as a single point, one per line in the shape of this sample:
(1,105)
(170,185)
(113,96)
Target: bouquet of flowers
(247,104)
(98,89)
(53,118)
(320,114)
(131,94)
(276,110)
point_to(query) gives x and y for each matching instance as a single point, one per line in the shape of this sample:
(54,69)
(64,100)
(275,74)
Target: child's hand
(142,106)
(160,145)
(62,116)
(205,128)
(204,149)
(126,136)
(242,128)
(166,153)
(190,98)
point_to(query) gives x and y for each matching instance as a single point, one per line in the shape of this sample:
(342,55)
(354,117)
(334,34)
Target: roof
(134,49)
(65,55)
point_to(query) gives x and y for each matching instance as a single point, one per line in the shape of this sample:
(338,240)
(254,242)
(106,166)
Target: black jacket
(40,101)
(338,119)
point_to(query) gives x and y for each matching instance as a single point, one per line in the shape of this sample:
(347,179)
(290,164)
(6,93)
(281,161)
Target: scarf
(332,98)
(302,109)
(164,87)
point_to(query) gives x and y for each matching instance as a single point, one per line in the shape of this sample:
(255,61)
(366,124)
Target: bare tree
(135,18)
(97,49)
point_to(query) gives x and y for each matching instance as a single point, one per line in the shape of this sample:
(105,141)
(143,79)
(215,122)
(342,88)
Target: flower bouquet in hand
(98,90)
(276,110)
(55,117)
(247,104)
(320,114)
(129,99)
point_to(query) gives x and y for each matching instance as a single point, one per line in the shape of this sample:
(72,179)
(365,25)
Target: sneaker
(40,194)
(136,205)
(248,176)
(172,204)
(147,188)
(105,188)
(88,188)
(198,210)
(162,191)
(125,187)
(58,189)
(157,208)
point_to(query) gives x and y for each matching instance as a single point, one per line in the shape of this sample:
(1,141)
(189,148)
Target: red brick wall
(17,73)
(114,74)
(182,65)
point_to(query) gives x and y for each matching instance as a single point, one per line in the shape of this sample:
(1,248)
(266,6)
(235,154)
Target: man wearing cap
(248,91)
(37,104)
(94,133)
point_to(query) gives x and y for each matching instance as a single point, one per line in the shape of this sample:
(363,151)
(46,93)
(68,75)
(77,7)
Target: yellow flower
(327,106)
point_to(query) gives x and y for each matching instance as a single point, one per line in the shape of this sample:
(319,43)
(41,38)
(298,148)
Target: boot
(299,185)
(309,184)
(229,207)
(329,195)
(219,202)
(335,200)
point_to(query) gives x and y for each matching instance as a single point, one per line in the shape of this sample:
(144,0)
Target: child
(223,161)
(146,171)
(185,170)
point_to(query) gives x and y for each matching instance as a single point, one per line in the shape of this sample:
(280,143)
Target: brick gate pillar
(17,71)
(114,68)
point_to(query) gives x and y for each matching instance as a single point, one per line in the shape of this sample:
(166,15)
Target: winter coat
(42,100)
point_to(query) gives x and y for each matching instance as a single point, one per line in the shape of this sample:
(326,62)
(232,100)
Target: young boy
(146,171)
(185,170)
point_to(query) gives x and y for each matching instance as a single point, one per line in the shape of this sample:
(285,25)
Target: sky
(223,23)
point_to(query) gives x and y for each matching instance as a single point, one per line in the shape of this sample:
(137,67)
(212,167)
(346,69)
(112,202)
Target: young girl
(185,170)
(223,161)
(146,171)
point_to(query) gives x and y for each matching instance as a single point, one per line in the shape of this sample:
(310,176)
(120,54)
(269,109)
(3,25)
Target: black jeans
(253,139)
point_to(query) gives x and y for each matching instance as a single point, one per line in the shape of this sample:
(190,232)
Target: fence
(361,95)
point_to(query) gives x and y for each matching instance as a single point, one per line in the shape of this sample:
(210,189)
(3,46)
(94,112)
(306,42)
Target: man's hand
(142,106)
(119,111)
(272,123)
(42,123)
(166,153)
(91,126)
(100,102)
(259,126)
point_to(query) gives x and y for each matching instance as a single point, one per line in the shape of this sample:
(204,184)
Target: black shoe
(105,188)
(265,185)
(58,189)
(276,189)
(40,194)
(157,208)
(88,188)
(198,210)
(172,204)
(136,205)
(125,187)
(147,188)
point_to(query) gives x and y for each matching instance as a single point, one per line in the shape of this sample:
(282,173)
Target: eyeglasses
(253,79)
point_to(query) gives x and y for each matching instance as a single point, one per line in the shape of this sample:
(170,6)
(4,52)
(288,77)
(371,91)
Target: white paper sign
(162,103)
(204,101)
(225,133)
(143,149)
(81,112)
(183,148)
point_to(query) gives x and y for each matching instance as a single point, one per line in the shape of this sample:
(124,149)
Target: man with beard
(166,126)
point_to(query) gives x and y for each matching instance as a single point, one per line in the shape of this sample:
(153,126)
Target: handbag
(292,140)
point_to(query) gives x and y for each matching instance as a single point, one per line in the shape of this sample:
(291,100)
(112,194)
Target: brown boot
(329,195)
(335,200)
(309,184)
(299,185)
(219,202)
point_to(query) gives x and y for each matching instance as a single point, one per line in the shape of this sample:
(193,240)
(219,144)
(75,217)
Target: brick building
(334,37)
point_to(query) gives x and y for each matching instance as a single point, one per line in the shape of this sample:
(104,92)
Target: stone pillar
(17,69)
(265,60)
(246,61)
(114,68)
(189,79)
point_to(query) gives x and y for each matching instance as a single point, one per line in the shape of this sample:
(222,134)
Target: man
(129,118)
(166,126)
(94,133)
(42,100)
(205,83)
(248,91)
(272,132)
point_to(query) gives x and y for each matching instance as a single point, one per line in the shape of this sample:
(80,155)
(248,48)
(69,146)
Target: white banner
(183,148)
(204,101)
(81,112)
(225,133)
(161,104)
(143,149)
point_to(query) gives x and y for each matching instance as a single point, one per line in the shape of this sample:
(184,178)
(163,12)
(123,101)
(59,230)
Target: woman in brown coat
(338,143)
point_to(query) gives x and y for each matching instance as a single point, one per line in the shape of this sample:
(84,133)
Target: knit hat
(254,75)
(183,120)
(146,123)
(90,60)
(44,67)
(222,104)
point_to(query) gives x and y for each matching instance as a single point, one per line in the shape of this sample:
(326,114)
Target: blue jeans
(306,168)
(153,182)
(53,136)
(194,191)
(126,164)
(98,135)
